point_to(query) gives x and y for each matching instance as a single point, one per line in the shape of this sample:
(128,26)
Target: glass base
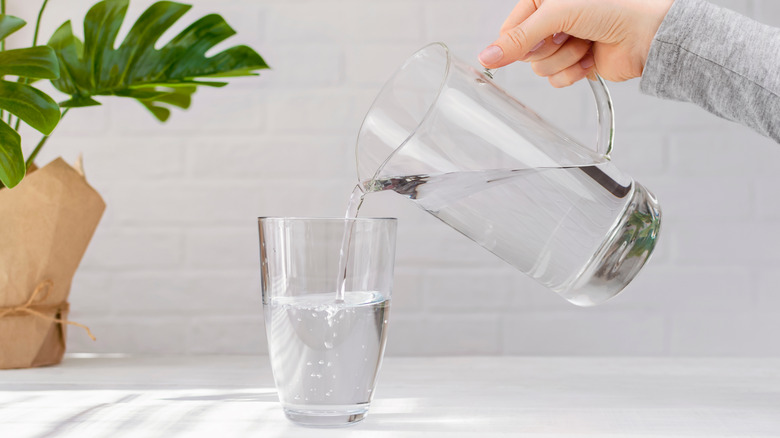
(329,417)
(623,255)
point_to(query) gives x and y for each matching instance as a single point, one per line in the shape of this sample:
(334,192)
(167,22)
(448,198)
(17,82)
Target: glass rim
(323,219)
(386,87)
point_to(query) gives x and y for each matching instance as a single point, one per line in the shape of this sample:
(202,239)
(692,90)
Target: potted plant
(48,216)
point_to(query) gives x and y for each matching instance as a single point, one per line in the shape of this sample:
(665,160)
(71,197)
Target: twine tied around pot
(33,307)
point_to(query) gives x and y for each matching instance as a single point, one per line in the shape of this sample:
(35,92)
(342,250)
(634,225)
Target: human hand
(566,40)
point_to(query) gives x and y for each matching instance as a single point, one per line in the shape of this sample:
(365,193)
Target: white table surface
(417,397)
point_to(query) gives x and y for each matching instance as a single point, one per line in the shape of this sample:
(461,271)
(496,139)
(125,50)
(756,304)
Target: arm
(722,61)
(687,50)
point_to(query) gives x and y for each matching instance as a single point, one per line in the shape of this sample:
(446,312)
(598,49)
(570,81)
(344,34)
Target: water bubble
(385,321)
(328,344)
(363,346)
(306,398)
(308,363)
(297,397)
(321,362)
(330,364)
(299,319)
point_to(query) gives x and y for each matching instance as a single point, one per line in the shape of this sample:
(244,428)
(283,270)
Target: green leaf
(30,104)
(32,62)
(12,168)
(180,96)
(26,102)
(157,78)
(9,24)
(159,112)
(79,102)
(68,50)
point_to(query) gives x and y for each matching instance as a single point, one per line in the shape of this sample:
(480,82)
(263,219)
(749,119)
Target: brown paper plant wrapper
(46,223)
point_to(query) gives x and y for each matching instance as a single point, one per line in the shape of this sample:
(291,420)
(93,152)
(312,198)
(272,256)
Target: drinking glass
(325,347)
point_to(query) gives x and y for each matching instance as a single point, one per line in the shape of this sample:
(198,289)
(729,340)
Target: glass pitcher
(445,135)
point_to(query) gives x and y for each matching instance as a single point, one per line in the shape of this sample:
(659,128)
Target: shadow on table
(230,397)
(423,422)
(132,412)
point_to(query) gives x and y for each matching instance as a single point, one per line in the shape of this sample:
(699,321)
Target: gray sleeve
(720,60)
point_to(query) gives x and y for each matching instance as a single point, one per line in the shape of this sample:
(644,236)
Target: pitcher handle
(606,116)
(605,137)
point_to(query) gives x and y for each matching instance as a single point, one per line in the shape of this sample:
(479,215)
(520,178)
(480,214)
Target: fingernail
(560,38)
(491,55)
(537,47)
(587,62)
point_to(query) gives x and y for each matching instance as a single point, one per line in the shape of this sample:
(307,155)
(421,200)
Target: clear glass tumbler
(326,348)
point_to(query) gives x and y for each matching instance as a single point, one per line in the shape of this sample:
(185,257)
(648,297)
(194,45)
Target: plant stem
(2,11)
(37,149)
(38,22)
(2,43)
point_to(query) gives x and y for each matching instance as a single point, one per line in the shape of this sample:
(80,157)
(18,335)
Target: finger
(546,48)
(522,10)
(568,54)
(518,41)
(574,73)
(560,38)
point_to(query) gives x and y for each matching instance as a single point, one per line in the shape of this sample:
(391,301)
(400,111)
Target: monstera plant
(157,78)
(22,100)
(48,218)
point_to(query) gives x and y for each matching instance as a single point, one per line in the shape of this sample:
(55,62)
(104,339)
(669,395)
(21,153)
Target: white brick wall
(173,267)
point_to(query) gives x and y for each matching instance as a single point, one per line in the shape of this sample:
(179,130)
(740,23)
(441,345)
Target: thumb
(515,43)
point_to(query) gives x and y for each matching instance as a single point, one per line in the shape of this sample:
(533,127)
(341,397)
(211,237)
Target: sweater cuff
(663,73)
